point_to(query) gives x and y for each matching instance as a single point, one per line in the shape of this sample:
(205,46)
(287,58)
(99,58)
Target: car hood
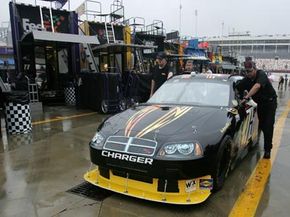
(169,123)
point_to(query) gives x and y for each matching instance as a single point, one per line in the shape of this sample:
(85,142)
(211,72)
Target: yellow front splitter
(189,190)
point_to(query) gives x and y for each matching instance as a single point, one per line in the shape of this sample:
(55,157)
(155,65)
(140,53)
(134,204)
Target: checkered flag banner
(70,96)
(18,119)
(18,140)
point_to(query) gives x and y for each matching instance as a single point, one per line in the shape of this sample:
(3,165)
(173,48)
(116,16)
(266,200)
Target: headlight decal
(170,149)
(185,149)
(98,140)
(181,150)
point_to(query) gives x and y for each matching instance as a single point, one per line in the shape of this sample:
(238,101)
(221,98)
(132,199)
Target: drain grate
(90,191)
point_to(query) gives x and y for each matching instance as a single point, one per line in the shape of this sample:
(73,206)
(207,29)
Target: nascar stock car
(179,146)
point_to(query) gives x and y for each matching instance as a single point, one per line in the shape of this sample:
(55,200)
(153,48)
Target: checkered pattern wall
(18,119)
(70,96)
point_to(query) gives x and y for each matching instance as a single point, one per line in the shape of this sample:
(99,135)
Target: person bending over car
(261,90)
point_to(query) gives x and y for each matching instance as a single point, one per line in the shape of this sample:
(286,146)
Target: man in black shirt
(261,90)
(189,67)
(161,72)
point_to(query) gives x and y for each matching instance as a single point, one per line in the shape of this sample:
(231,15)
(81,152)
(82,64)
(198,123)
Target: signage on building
(172,35)
(30,19)
(26,18)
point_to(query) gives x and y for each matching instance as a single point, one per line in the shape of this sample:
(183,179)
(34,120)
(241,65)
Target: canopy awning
(121,47)
(59,37)
(187,57)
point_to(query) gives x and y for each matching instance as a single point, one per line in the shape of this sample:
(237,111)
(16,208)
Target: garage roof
(60,37)
(121,47)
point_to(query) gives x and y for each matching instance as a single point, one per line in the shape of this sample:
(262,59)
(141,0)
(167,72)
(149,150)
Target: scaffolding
(137,24)
(156,28)
(117,11)
(90,10)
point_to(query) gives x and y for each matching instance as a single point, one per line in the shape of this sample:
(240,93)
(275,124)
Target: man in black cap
(161,72)
(261,90)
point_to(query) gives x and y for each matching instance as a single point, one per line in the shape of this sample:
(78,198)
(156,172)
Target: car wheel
(222,164)
(104,106)
(122,105)
(132,101)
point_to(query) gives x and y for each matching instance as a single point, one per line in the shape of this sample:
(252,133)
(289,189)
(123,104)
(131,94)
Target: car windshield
(187,91)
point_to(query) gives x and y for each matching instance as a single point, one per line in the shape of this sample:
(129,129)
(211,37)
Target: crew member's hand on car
(244,100)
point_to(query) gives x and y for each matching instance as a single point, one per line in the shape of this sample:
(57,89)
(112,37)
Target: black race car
(180,145)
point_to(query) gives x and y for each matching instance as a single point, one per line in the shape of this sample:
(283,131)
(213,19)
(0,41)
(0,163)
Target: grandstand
(273,64)
(271,52)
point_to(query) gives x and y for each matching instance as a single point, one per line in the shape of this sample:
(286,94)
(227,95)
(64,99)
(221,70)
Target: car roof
(211,77)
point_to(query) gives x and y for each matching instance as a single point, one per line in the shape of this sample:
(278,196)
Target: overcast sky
(257,16)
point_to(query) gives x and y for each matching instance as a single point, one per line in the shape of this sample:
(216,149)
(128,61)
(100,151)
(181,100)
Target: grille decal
(145,147)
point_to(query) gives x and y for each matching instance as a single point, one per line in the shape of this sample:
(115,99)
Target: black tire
(123,105)
(104,106)
(222,163)
(133,101)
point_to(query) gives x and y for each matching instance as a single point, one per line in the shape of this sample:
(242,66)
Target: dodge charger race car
(179,146)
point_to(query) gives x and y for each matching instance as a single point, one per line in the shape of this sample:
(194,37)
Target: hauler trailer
(46,46)
(117,85)
(59,59)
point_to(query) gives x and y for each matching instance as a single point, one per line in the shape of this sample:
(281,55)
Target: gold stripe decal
(166,119)
(137,117)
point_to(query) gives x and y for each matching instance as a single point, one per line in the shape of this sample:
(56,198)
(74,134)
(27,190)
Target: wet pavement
(276,197)
(37,169)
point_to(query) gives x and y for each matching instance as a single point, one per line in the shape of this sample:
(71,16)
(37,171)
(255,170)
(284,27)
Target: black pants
(266,115)
(280,85)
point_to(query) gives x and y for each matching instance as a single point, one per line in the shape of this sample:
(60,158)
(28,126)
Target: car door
(247,124)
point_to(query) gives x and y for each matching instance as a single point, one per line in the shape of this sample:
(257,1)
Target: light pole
(180,7)
(223,24)
(195,13)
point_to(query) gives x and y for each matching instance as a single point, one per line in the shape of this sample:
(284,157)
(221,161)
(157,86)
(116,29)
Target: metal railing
(33,91)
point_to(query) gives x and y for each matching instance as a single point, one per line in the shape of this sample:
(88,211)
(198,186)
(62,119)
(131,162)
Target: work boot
(267,154)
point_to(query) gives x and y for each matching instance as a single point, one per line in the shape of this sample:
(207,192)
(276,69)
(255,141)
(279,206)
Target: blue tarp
(193,43)
(10,61)
(1,62)
(194,52)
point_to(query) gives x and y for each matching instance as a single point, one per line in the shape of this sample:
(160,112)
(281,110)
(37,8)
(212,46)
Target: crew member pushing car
(261,90)
(161,72)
